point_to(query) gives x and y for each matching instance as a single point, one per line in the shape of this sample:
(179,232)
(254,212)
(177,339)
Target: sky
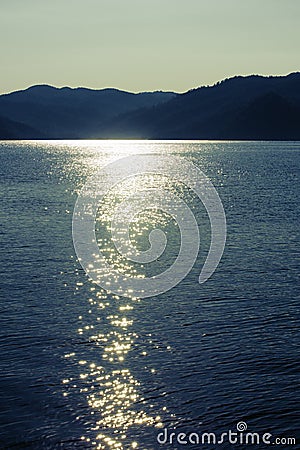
(145,45)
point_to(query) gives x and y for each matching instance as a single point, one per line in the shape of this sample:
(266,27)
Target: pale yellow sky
(145,45)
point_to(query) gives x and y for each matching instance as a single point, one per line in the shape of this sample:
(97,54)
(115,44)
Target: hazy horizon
(147,46)
(158,90)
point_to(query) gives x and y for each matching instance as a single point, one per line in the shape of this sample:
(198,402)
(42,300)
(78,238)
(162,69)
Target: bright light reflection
(106,382)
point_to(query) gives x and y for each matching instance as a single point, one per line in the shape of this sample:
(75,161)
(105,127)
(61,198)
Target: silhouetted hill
(252,107)
(237,108)
(73,113)
(270,116)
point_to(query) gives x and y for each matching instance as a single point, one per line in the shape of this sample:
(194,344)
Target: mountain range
(252,107)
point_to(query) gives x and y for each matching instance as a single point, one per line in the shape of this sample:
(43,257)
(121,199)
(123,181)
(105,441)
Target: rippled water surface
(85,368)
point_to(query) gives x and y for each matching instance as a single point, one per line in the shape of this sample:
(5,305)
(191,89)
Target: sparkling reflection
(110,373)
(112,392)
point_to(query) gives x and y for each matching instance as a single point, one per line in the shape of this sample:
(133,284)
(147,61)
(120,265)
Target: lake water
(84,368)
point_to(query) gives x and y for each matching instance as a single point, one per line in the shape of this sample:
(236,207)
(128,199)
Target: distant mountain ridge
(252,107)
(226,110)
(72,113)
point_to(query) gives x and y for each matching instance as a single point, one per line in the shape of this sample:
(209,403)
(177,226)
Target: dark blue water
(81,368)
